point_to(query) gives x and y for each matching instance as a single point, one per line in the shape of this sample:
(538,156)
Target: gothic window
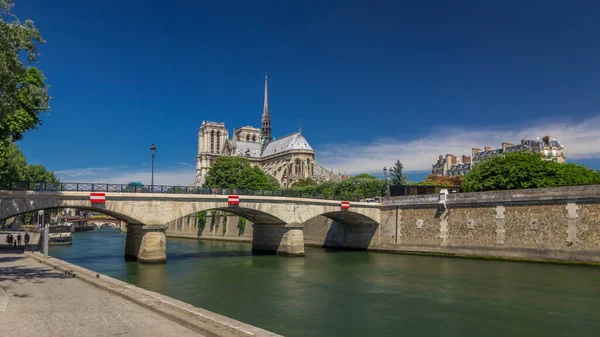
(308,167)
(298,167)
(254,138)
(218,141)
(212,142)
(247,138)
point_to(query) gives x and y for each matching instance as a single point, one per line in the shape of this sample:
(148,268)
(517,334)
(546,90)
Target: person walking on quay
(8,238)
(19,239)
(27,239)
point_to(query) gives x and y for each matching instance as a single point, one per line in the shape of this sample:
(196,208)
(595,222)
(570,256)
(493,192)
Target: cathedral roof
(247,149)
(295,141)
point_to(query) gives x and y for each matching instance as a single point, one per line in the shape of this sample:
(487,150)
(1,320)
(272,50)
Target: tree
(435,180)
(304,183)
(39,174)
(398,176)
(23,93)
(12,163)
(236,172)
(525,170)
(364,176)
(135,187)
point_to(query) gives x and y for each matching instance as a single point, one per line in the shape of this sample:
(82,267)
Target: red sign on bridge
(345,204)
(233,199)
(97,197)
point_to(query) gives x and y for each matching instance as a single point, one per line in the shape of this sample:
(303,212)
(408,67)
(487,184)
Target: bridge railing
(133,188)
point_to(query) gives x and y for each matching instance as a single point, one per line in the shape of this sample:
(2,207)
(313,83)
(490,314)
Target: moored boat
(60,234)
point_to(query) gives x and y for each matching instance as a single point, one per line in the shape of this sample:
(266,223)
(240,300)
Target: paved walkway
(37,301)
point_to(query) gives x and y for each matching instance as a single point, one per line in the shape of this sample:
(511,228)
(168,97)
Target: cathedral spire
(266,116)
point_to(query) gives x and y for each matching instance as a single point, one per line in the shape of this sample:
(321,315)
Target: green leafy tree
(39,174)
(236,172)
(435,180)
(12,163)
(365,176)
(525,170)
(351,189)
(23,93)
(397,174)
(304,183)
(135,187)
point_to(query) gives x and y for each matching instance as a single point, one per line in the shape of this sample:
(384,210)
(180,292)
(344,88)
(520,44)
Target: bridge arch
(250,213)
(9,212)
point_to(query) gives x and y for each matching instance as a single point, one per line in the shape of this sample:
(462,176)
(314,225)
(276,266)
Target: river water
(357,293)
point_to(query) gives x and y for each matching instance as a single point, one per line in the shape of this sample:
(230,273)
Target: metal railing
(133,188)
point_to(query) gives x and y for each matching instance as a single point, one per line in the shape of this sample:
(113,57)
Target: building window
(298,167)
(254,138)
(218,141)
(212,142)
(247,138)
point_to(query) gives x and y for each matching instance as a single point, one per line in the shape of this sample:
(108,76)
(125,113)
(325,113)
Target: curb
(4,300)
(196,319)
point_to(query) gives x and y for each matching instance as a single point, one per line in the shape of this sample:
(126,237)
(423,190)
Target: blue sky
(372,81)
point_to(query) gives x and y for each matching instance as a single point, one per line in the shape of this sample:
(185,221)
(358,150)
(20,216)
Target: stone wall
(538,224)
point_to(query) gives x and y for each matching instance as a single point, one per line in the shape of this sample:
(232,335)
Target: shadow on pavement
(18,273)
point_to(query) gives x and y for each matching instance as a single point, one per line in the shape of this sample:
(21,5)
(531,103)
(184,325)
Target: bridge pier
(278,239)
(146,243)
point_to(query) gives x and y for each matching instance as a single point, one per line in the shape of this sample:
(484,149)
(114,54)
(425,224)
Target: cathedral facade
(288,159)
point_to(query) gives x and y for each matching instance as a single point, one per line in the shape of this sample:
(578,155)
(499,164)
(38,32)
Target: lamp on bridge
(387,180)
(153,152)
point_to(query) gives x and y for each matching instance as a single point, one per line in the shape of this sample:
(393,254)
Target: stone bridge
(278,221)
(100,222)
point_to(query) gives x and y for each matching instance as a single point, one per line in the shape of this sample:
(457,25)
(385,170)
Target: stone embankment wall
(537,224)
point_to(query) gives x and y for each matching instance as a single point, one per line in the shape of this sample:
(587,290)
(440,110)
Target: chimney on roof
(505,145)
(474,150)
(466,159)
(546,140)
(487,148)
(450,159)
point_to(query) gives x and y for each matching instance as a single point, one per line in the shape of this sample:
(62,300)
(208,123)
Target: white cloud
(581,141)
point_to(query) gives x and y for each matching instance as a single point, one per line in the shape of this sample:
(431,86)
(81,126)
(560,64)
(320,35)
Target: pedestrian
(19,239)
(27,237)
(8,238)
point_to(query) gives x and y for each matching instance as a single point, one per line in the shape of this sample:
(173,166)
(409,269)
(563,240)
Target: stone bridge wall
(538,224)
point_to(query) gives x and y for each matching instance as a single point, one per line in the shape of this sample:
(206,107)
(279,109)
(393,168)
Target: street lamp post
(387,180)
(153,152)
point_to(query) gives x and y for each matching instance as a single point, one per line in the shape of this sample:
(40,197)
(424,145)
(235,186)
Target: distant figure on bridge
(27,239)
(19,239)
(8,239)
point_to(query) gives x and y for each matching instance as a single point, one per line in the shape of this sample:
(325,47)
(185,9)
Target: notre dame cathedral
(288,158)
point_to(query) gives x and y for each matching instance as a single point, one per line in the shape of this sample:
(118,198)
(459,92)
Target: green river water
(357,293)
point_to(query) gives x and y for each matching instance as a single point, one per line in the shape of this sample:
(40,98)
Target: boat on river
(60,234)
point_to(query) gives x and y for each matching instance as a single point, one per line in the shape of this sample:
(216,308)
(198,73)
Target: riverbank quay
(46,297)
